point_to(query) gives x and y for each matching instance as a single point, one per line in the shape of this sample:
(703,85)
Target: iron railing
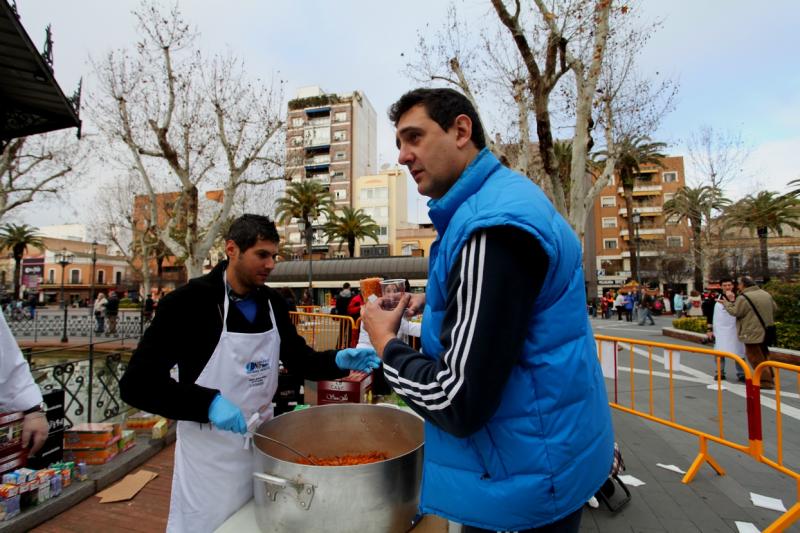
(90,384)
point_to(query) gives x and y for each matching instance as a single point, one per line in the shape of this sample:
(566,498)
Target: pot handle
(302,493)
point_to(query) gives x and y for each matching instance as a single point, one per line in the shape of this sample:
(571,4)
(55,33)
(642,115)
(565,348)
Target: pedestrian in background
(112,312)
(629,307)
(645,309)
(754,310)
(722,330)
(695,304)
(100,312)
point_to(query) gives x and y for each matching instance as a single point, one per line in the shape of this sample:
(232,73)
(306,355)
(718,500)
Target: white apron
(212,478)
(725,335)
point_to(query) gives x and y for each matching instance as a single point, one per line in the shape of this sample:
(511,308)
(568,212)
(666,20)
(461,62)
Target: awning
(32,101)
(351,269)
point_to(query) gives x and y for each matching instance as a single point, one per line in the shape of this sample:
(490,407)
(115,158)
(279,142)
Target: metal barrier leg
(785,520)
(702,457)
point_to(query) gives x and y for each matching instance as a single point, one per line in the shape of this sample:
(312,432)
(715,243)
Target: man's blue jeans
(644,314)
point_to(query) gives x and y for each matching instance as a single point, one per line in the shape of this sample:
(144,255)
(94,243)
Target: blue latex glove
(361,359)
(225,415)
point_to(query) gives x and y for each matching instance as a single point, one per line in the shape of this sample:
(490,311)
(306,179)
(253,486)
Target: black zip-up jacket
(185,331)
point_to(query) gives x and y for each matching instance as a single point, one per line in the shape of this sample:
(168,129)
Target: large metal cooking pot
(375,497)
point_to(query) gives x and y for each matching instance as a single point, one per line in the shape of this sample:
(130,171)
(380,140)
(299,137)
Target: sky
(735,61)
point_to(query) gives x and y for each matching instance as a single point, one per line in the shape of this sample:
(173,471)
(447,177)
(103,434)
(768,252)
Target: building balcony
(645,211)
(643,253)
(319,159)
(321,122)
(644,190)
(324,178)
(317,167)
(644,231)
(317,111)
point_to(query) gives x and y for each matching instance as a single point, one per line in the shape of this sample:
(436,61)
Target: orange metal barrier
(324,332)
(669,354)
(308,308)
(613,349)
(778,463)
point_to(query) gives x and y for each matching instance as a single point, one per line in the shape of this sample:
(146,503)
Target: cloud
(770,167)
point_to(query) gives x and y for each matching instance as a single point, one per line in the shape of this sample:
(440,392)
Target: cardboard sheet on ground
(747,527)
(631,481)
(672,468)
(127,488)
(776,504)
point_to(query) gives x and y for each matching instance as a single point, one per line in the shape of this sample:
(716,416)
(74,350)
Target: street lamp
(308,230)
(64,258)
(637,218)
(91,291)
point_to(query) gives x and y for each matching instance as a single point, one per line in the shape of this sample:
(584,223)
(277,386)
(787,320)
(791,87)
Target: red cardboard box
(10,433)
(355,388)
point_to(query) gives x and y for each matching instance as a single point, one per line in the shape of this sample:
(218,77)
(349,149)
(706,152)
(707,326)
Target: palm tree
(696,205)
(304,199)
(761,213)
(17,238)
(350,226)
(634,151)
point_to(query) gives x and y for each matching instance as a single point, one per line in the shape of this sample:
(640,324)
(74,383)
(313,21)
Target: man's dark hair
(247,229)
(443,106)
(726,280)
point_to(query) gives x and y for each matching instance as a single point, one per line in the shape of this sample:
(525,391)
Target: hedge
(695,323)
(788,335)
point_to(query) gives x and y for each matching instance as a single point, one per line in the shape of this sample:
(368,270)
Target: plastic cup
(392,291)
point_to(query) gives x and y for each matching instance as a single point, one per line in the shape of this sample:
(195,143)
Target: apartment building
(660,238)
(384,197)
(330,138)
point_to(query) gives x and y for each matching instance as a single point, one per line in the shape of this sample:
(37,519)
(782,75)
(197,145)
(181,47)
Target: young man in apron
(227,333)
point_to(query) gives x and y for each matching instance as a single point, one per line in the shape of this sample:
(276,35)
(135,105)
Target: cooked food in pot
(350,459)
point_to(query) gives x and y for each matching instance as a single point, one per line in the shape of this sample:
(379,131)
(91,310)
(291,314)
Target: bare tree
(186,123)
(115,219)
(717,156)
(36,166)
(546,66)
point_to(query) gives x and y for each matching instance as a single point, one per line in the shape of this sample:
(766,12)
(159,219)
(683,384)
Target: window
(74,276)
(101,277)
(669,177)
(672,220)
(297,122)
(340,116)
(51,275)
(794,263)
(669,196)
(297,140)
(609,244)
(338,175)
(118,278)
(340,194)
(340,135)
(383,231)
(374,193)
(609,222)
(608,201)
(340,156)
(675,242)
(294,237)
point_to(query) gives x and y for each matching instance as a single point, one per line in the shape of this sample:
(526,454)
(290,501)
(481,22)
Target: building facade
(384,197)
(661,243)
(332,139)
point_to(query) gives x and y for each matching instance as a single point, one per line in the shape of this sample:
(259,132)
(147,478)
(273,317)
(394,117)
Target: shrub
(787,296)
(788,335)
(695,323)
(127,303)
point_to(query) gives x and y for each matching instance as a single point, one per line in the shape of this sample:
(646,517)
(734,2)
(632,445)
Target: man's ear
(463,129)
(230,248)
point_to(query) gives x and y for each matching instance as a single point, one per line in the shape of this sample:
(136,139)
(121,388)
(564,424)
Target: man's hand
(361,359)
(34,431)
(730,295)
(416,304)
(226,415)
(382,325)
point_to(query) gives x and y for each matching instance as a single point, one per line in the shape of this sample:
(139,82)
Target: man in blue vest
(518,431)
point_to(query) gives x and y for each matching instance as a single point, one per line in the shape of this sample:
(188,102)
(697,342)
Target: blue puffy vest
(549,446)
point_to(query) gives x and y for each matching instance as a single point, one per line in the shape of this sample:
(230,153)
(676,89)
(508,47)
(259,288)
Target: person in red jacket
(354,307)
